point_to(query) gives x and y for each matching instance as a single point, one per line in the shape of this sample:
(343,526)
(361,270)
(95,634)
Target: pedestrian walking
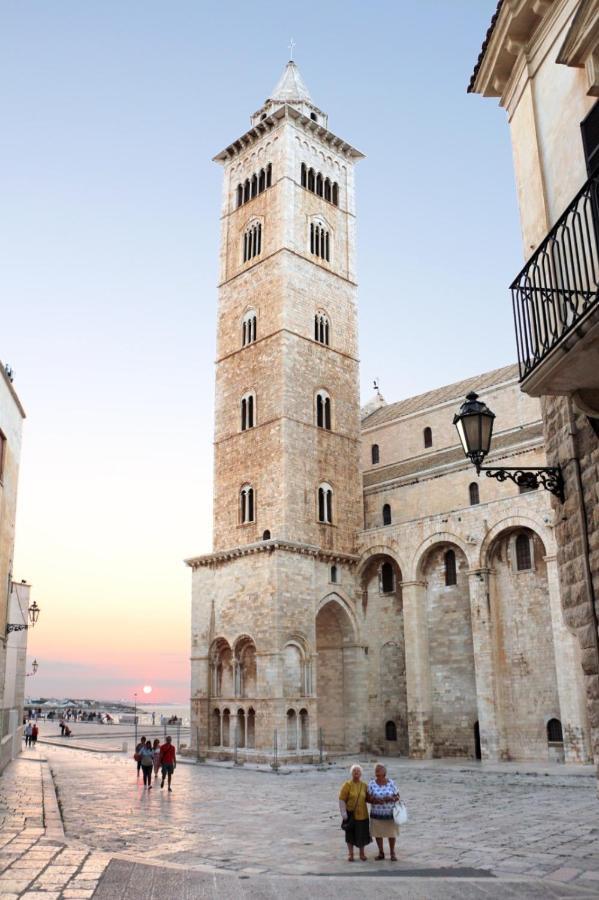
(168,761)
(34,733)
(156,752)
(147,763)
(354,812)
(27,733)
(382,795)
(137,754)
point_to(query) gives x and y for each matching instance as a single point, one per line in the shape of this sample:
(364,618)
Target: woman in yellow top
(352,805)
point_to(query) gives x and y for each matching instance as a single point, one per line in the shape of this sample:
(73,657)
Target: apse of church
(362,592)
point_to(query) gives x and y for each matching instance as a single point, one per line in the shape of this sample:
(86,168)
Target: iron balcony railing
(559,284)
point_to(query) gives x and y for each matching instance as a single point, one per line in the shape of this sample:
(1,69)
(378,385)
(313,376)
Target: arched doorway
(338,677)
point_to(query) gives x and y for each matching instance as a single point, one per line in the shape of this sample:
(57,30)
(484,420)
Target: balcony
(556,306)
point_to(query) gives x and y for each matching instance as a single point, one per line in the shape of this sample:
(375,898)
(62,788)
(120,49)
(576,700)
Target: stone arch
(244,650)
(340,597)
(221,668)
(433,541)
(511,523)
(380,550)
(339,675)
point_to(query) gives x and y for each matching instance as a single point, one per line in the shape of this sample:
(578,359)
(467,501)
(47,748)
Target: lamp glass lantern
(34,666)
(474,424)
(34,613)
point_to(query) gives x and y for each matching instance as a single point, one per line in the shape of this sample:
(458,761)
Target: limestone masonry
(365,589)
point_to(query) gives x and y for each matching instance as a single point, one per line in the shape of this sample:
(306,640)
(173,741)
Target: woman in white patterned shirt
(382,795)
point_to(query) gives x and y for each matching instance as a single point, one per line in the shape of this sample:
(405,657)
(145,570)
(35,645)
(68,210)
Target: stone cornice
(286,331)
(258,131)
(313,261)
(212,560)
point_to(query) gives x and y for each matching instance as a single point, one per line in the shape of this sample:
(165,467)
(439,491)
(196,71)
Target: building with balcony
(540,60)
(14,599)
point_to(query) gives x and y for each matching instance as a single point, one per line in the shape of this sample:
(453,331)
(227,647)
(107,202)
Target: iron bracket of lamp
(33,613)
(474,422)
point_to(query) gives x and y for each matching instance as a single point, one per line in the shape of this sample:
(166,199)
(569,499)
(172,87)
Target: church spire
(290,87)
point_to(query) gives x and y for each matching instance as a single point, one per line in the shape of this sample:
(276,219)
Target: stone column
(418,673)
(569,675)
(487,699)
(355,695)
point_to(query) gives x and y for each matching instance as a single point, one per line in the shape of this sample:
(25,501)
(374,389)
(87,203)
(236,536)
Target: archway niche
(240,733)
(215,736)
(451,654)
(291,729)
(338,677)
(251,729)
(524,650)
(382,606)
(221,669)
(304,729)
(294,664)
(245,667)
(226,732)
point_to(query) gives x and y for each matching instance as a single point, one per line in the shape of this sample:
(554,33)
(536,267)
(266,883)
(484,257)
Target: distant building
(540,59)
(14,598)
(365,590)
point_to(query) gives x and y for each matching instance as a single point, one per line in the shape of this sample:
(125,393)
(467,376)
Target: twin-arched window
(325,503)
(323,410)
(253,186)
(246,504)
(252,241)
(321,328)
(248,328)
(248,411)
(320,241)
(323,186)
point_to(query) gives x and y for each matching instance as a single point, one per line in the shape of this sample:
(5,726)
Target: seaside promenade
(77,823)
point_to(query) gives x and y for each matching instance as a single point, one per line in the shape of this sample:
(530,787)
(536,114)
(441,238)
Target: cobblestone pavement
(238,832)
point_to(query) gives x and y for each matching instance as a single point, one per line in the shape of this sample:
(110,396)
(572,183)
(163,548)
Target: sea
(181,710)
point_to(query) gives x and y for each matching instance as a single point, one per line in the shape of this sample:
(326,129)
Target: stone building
(540,59)
(364,589)
(14,600)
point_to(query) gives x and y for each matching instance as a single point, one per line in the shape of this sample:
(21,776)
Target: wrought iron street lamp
(474,423)
(34,668)
(33,613)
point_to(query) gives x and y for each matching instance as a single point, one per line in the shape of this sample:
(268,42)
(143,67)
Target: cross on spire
(291,46)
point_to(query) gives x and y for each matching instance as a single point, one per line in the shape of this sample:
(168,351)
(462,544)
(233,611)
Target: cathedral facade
(364,591)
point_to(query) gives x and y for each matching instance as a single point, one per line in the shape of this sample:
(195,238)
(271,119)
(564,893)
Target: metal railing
(559,284)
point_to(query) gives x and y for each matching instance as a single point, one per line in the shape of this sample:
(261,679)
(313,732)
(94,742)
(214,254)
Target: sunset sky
(109,227)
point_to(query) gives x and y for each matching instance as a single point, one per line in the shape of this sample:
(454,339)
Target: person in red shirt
(34,733)
(168,761)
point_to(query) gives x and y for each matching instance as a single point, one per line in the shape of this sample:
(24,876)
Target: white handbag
(400,813)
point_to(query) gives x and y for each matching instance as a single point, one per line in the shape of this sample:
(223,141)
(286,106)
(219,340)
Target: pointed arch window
(523,554)
(320,241)
(252,241)
(248,328)
(386,514)
(246,504)
(428,437)
(474,493)
(248,407)
(325,503)
(319,184)
(321,328)
(254,185)
(450,568)
(323,410)
(375,454)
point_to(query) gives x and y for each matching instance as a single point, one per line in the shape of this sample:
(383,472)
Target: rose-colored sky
(109,229)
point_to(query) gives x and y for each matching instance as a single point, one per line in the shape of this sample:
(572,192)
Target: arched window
(252,241)
(320,244)
(304,176)
(428,437)
(333,574)
(319,185)
(325,504)
(246,504)
(390,731)
(249,327)
(336,194)
(450,568)
(266,535)
(261,181)
(386,514)
(323,410)
(304,729)
(248,404)
(269,175)
(321,328)
(387,579)
(311,179)
(474,495)
(239,202)
(246,190)
(254,185)
(523,554)
(374,454)
(327,189)
(554,731)
(313,117)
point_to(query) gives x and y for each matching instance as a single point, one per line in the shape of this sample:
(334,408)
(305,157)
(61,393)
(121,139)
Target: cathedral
(365,591)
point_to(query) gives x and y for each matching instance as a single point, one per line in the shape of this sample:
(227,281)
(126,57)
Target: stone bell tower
(287,485)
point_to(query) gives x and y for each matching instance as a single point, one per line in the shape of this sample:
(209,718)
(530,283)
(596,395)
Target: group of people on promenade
(30,733)
(360,827)
(154,757)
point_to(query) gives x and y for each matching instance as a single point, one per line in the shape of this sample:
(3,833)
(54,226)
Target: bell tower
(287,484)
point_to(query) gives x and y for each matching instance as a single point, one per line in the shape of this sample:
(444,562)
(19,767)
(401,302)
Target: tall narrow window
(254,185)
(450,568)
(252,241)
(319,185)
(247,411)
(269,175)
(327,189)
(248,328)
(374,454)
(246,500)
(386,514)
(323,410)
(261,181)
(310,179)
(523,554)
(387,579)
(304,176)
(334,574)
(246,190)
(325,504)
(320,242)
(336,194)
(390,731)
(321,328)
(428,437)
(239,194)
(474,495)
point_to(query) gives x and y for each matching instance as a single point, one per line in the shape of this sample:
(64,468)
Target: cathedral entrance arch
(339,675)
